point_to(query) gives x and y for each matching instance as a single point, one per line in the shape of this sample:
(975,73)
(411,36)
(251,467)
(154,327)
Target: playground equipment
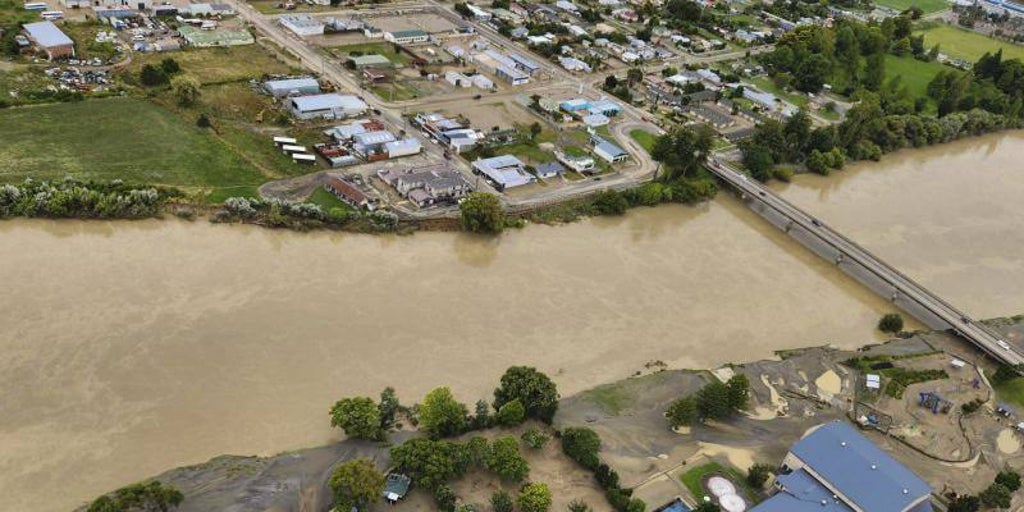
(936,403)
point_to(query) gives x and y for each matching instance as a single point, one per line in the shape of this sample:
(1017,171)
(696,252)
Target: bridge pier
(839,258)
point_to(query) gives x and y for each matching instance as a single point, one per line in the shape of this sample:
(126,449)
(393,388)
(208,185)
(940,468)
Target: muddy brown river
(128,348)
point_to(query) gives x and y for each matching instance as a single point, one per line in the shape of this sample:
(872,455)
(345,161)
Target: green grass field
(217,65)
(127,139)
(694,478)
(928,6)
(645,138)
(967,45)
(326,200)
(1011,392)
(913,73)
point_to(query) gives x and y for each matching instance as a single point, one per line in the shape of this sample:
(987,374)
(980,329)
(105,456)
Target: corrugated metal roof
(292,84)
(414,32)
(370,60)
(328,102)
(377,137)
(859,469)
(47,35)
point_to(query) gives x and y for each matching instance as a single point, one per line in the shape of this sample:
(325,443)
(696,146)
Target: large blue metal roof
(851,464)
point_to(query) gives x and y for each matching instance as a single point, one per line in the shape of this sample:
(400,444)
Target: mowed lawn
(913,73)
(928,6)
(128,139)
(968,45)
(645,138)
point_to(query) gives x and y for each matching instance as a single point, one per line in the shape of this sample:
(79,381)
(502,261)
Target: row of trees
(582,445)
(715,401)
(145,496)
(522,393)
(72,198)
(275,212)
(997,495)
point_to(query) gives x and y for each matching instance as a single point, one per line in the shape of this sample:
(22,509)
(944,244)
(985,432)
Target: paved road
(904,288)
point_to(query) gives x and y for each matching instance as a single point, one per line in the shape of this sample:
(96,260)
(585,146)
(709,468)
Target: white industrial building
(458,79)
(327,106)
(292,87)
(411,36)
(303,25)
(506,171)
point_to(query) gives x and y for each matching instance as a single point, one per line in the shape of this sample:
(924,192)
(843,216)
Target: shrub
(581,445)
(758,474)
(534,497)
(535,439)
(610,202)
(511,414)
(445,498)
(891,323)
(501,501)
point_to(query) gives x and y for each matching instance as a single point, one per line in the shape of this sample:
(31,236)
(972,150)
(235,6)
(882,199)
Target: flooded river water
(127,348)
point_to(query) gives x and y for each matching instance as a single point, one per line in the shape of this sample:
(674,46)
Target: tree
(505,460)
(682,412)
(535,130)
(186,90)
(996,496)
(707,506)
(430,463)
(739,391)
(482,418)
(816,162)
(758,474)
(151,76)
(534,497)
(610,82)
(501,501)
(535,439)
(1009,479)
(532,388)
(610,202)
(511,414)
(634,75)
(445,498)
(482,213)
(203,122)
(145,496)
(891,323)
(581,445)
(636,505)
(964,503)
(388,408)
(478,449)
(683,151)
(359,417)
(579,505)
(170,66)
(606,477)
(441,414)
(356,484)
(713,401)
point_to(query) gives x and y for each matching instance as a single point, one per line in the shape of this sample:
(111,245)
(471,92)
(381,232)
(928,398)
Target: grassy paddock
(217,65)
(385,49)
(645,138)
(967,45)
(913,73)
(1011,391)
(326,200)
(127,139)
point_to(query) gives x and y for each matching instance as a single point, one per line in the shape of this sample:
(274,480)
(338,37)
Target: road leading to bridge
(903,288)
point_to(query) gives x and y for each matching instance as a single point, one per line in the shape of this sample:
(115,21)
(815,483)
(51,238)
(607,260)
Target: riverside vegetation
(851,58)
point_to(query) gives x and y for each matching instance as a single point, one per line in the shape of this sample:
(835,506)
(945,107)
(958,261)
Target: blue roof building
(834,468)
(574,105)
(605,107)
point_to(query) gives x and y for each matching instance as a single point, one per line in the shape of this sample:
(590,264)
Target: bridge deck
(968,328)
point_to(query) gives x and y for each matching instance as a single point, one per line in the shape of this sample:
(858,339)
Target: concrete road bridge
(867,268)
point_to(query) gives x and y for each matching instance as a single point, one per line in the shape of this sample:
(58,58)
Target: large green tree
(506,461)
(683,151)
(532,388)
(482,213)
(356,484)
(359,417)
(441,414)
(430,463)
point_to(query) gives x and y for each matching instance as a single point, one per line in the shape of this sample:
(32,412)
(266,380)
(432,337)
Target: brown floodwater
(128,348)
(951,217)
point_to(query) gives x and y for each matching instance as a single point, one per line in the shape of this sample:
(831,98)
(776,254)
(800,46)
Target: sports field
(967,45)
(928,6)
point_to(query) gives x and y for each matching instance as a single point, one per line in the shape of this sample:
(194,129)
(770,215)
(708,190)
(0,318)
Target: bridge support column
(789,226)
(895,295)
(839,259)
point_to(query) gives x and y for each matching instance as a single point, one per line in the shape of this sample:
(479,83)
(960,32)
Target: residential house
(549,170)
(580,164)
(607,151)
(505,171)
(348,193)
